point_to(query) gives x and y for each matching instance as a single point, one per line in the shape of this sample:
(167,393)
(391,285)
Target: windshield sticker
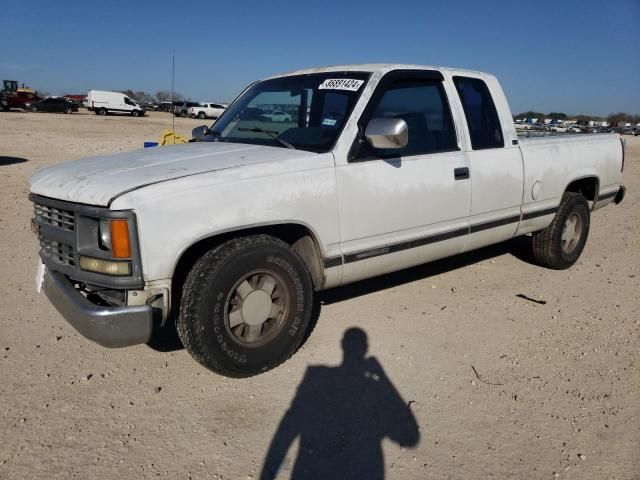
(330,122)
(349,84)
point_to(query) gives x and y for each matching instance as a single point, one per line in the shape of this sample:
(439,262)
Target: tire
(102,111)
(135,113)
(201,115)
(68,111)
(183,114)
(34,109)
(556,246)
(225,298)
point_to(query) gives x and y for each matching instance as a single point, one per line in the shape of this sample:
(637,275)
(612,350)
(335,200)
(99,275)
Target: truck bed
(554,161)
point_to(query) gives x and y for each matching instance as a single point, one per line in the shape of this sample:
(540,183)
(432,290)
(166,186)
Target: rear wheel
(68,110)
(201,115)
(33,108)
(246,306)
(102,111)
(560,244)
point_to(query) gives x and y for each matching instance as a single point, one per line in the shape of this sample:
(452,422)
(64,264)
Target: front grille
(56,251)
(56,234)
(67,230)
(56,217)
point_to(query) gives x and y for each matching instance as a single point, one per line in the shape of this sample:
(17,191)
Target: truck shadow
(166,339)
(11,160)
(341,415)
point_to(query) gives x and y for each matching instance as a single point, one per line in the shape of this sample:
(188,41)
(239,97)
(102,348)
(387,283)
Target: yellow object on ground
(169,137)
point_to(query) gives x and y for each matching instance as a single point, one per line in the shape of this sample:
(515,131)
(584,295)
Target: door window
(480,112)
(423,105)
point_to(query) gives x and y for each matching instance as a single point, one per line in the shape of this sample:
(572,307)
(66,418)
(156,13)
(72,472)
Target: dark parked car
(53,104)
(251,113)
(181,109)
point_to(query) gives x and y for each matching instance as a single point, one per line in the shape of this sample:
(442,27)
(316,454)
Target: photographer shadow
(341,416)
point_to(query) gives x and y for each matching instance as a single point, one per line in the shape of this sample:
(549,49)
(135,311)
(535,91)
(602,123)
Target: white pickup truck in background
(207,110)
(379,168)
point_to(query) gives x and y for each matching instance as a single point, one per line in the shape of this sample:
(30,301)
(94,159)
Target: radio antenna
(173,114)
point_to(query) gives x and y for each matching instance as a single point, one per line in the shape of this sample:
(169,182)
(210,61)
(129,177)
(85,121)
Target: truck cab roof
(382,68)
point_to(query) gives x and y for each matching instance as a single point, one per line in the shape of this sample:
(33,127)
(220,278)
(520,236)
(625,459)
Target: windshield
(305,112)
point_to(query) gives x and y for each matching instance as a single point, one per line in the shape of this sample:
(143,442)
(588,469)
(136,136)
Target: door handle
(461,173)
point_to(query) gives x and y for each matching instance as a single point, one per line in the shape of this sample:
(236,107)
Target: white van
(102,103)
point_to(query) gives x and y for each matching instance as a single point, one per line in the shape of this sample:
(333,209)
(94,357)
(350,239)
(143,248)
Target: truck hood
(99,180)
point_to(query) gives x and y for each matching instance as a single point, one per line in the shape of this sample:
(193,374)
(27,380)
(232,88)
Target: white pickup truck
(383,167)
(207,110)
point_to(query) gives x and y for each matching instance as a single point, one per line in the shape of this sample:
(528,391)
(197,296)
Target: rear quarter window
(481,114)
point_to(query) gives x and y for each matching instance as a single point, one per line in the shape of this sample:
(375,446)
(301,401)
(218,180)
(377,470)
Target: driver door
(48,105)
(400,208)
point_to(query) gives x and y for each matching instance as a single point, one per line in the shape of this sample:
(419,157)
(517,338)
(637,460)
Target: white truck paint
(104,102)
(366,217)
(207,110)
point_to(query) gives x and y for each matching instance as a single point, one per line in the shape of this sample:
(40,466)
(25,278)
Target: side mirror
(386,133)
(199,133)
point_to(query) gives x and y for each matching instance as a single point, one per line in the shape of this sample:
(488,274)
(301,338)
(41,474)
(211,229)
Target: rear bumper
(108,326)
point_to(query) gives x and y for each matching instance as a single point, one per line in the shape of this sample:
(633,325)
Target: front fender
(176,214)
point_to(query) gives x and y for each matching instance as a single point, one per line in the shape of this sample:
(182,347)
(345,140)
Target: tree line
(620,117)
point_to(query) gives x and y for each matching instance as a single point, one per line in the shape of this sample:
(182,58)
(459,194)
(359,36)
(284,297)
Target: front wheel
(135,113)
(246,306)
(68,110)
(560,244)
(33,108)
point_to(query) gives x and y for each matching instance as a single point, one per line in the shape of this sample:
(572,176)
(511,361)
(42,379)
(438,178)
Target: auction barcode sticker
(350,84)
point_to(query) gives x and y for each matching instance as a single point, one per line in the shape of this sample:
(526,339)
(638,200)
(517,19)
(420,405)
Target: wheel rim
(256,308)
(571,233)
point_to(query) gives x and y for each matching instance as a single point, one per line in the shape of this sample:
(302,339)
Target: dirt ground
(471,381)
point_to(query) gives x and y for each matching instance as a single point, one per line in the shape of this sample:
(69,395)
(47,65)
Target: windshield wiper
(273,135)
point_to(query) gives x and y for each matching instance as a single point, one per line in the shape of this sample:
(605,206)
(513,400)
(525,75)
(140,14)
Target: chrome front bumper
(108,326)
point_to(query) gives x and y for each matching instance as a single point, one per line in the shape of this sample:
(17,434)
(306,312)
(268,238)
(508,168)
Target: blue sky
(576,56)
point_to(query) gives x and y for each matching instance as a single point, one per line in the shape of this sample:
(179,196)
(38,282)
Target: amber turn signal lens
(120,244)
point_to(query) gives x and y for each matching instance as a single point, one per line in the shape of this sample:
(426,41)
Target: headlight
(107,267)
(114,237)
(105,234)
(106,244)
